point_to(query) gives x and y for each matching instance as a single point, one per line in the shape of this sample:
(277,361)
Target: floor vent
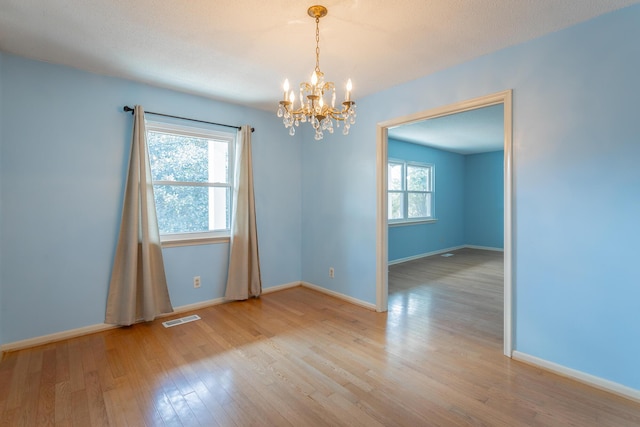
(447,255)
(180,321)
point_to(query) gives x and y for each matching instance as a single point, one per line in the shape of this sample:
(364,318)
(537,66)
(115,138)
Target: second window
(410,187)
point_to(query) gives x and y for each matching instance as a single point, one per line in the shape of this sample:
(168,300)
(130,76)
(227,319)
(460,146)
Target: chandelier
(312,106)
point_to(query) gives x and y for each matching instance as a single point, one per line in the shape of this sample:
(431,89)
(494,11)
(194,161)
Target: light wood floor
(301,358)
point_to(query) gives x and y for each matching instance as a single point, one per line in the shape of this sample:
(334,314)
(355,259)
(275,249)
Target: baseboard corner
(341,296)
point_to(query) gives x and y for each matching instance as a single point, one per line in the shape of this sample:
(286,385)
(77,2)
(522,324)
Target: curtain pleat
(138,288)
(243,280)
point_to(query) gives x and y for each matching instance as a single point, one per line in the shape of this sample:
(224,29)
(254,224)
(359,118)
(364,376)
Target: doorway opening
(382,280)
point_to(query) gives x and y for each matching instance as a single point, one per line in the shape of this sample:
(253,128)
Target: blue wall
(484,199)
(64,150)
(469,202)
(448,231)
(576,199)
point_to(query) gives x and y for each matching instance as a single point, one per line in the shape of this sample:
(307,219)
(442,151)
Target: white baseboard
(280,287)
(442,251)
(338,295)
(484,248)
(592,380)
(58,336)
(222,300)
(194,306)
(424,255)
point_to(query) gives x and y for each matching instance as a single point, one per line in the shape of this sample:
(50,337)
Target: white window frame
(405,220)
(201,237)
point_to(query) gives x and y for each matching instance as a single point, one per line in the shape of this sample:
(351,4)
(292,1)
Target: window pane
(191,209)
(396,206)
(218,161)
(418,178)
(186,158)
(419,205)
(219,208)
(394,175)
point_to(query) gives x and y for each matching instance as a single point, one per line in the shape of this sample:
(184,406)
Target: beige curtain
(244,279)
(138,288)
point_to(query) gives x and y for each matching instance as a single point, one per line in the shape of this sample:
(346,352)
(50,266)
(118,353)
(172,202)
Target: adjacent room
(199,227)
(446,221)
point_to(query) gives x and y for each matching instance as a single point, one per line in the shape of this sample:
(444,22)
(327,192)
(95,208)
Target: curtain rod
(129,109)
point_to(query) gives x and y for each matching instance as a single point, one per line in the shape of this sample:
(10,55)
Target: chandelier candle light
(313,108)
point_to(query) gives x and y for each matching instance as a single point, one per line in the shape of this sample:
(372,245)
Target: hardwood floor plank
(76,373)
(62,362)
(80,411)
(46,398)
(95,399)
(112,405)
(7,372)
(62,403)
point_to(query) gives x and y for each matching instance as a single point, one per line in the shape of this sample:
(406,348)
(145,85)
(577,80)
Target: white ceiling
(240,51)
(470,132)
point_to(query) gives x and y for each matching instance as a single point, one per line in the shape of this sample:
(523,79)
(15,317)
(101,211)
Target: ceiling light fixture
(314,109)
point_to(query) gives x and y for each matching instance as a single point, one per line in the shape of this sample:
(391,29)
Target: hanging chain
(318,45)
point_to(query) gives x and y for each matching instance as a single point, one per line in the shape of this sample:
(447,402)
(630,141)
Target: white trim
(507,97)
(194,241)
(401,223)
(222,300)
(282,287)
(58,336)
(484,248)
(338,295)
(382,239)
(424,255)
(441,251)
(196,131)
(583,377)
(192,307)
(382,227)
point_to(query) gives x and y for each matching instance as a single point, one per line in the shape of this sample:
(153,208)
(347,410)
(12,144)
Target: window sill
(412,222)
(173,242)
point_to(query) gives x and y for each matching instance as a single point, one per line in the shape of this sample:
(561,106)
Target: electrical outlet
(331,272)
(196,281)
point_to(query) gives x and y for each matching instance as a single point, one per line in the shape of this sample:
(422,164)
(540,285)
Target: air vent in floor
(180,321)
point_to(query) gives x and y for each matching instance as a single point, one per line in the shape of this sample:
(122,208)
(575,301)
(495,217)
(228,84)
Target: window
(192,173)
(410,187)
